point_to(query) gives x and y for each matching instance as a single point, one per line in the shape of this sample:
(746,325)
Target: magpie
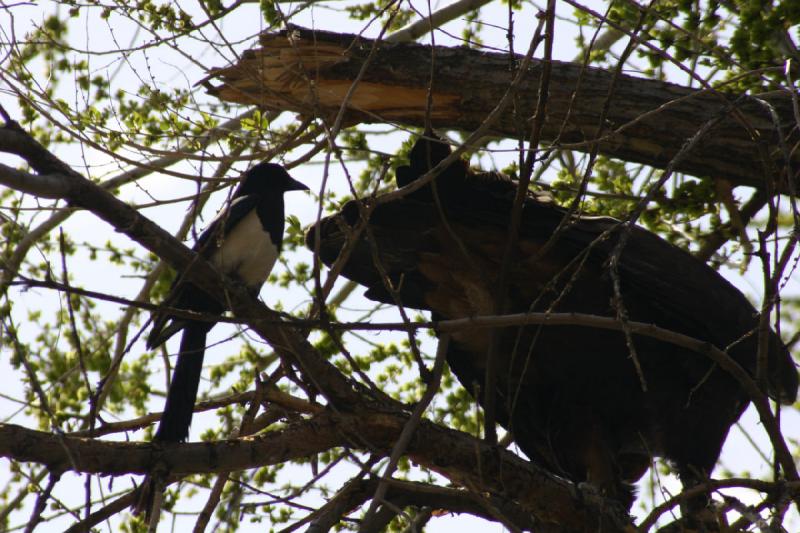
(243,242)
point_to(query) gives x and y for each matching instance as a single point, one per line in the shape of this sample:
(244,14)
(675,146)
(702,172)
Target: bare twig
(41,503)
(427,24)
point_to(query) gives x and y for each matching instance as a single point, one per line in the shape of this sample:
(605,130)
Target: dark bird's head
(427,152)
(268,178)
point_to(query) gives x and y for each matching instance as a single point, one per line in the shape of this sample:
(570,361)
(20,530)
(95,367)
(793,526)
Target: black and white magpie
(243,242)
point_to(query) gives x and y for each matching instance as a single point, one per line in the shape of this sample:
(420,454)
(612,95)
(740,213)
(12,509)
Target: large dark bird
(243,242)
(570,395)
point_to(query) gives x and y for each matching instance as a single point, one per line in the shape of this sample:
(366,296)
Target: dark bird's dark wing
(665,285)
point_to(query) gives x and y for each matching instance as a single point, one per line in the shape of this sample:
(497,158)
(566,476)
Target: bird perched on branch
(243,242)
(586,403)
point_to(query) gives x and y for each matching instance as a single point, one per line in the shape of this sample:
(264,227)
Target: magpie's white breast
(247,252)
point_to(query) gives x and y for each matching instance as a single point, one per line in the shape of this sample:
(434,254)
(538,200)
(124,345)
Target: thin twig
(436,19)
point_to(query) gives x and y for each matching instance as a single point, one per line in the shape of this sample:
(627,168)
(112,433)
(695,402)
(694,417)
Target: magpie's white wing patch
(247,251)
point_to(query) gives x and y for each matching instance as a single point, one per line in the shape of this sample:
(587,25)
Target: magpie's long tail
(177,417)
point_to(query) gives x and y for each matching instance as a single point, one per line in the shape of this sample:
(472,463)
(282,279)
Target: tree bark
(649,121)
(550,500)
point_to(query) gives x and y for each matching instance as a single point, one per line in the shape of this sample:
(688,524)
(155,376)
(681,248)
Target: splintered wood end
(315,76)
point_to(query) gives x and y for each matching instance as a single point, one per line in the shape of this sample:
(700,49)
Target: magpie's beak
(295,185)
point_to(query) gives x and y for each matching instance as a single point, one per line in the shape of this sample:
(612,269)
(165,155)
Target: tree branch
(469,82)
(50,186)
(438,18)
(453,454)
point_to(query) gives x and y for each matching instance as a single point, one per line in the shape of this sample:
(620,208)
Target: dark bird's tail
(177,417)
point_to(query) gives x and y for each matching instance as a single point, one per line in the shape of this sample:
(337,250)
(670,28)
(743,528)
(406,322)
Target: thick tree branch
(452,453)
(404,493)
(648,122)
(42,185)
(117,458)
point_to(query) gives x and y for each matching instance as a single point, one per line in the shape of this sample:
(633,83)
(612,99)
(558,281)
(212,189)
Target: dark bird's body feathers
(571,395)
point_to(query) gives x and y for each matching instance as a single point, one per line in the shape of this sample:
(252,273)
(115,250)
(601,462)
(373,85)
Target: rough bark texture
(649,121)
(550,500)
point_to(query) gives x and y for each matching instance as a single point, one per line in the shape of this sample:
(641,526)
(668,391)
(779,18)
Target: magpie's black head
(268,178)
